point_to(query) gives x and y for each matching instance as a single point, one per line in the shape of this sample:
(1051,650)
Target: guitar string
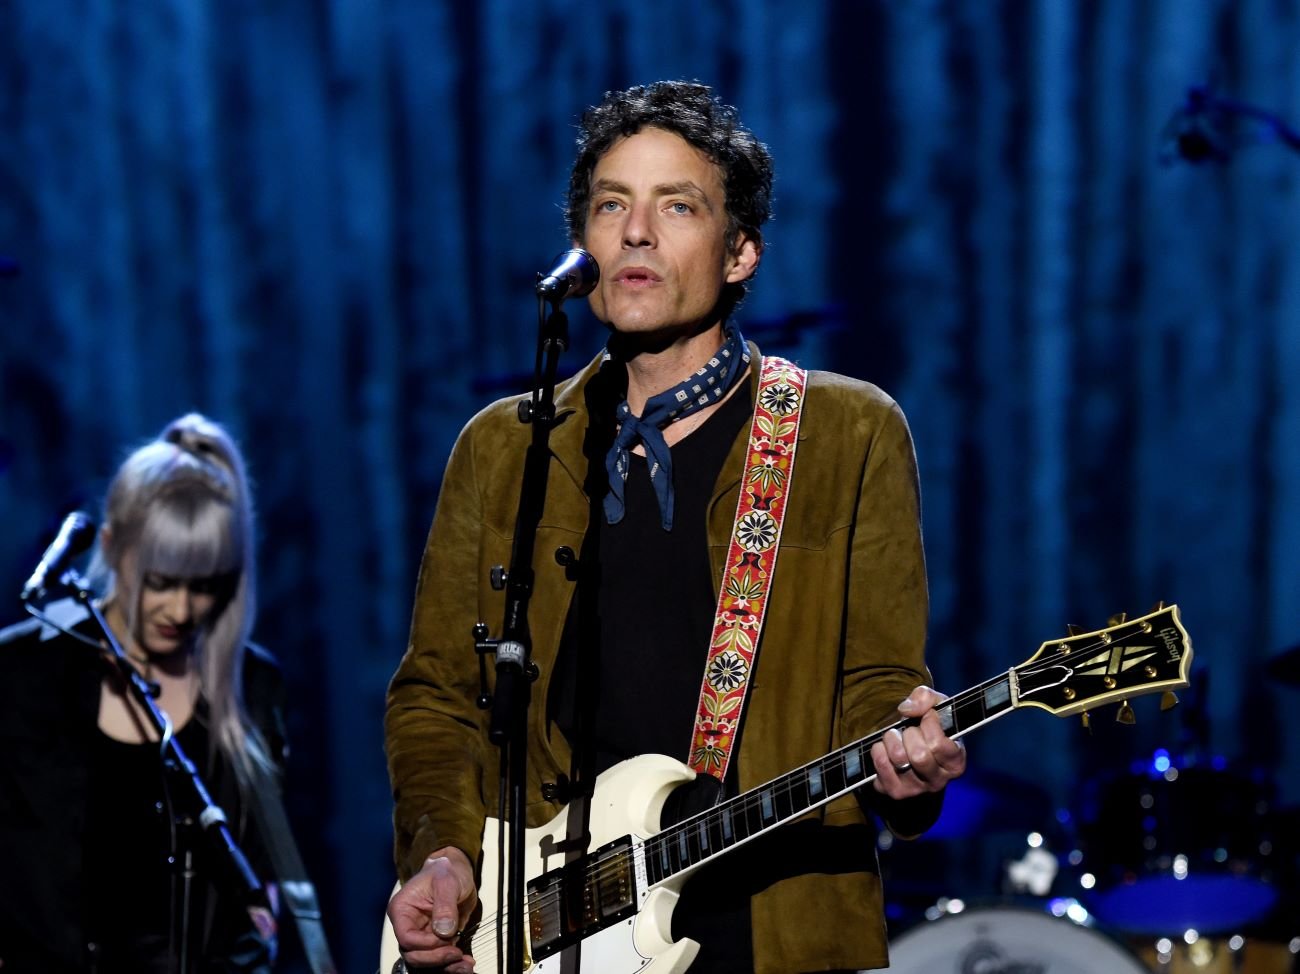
(616,863)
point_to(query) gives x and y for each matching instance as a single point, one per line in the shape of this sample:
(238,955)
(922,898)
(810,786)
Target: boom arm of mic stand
(212,819)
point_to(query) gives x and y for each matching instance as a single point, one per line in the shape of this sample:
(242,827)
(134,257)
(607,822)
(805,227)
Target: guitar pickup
(581,897)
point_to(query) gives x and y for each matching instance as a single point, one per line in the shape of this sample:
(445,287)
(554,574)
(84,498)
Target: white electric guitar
(607,902)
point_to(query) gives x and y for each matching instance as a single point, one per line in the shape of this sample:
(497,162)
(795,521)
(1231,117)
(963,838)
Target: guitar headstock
(1086,670)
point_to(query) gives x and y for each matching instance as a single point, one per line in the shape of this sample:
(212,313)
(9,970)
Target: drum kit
(1177,865)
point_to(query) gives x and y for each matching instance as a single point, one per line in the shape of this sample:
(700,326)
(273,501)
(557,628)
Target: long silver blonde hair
(181,506)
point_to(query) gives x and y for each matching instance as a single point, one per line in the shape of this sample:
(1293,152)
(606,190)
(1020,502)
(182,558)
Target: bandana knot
(707,386)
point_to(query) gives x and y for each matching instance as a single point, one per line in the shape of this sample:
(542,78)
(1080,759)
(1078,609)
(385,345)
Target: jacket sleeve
(435,737)
(888,607)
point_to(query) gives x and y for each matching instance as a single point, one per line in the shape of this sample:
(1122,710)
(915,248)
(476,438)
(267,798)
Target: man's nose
(638,231)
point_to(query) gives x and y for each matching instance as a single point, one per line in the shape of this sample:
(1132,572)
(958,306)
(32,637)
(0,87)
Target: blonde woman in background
(92,840)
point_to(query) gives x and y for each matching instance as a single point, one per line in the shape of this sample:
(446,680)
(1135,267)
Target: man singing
(653,484)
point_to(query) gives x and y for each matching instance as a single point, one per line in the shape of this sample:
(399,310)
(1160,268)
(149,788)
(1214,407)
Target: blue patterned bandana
(704,388)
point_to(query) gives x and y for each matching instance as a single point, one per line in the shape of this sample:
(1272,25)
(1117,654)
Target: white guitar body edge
(628,800)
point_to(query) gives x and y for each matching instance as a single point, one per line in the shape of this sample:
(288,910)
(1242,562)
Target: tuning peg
(1125,715)
(1168,700)
(1087,722)
(1158,606)
(1074,630)
(1117,619)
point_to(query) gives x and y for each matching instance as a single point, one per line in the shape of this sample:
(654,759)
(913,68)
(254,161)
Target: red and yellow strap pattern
(751,563)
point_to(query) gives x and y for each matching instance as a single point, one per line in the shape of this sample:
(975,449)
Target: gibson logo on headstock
(1173,645)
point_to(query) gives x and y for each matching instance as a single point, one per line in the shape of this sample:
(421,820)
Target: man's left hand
(920,758)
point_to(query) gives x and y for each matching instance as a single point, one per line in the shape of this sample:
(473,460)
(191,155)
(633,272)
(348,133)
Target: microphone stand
(211,818)
(515,671)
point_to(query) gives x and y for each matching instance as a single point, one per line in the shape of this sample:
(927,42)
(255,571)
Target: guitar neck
(722,828)
(1066,676)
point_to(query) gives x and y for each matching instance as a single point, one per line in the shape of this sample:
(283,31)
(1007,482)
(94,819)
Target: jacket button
(564,556)
(556,791)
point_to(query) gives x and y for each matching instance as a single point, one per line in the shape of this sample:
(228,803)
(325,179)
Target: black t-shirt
(129,846)
(655,605)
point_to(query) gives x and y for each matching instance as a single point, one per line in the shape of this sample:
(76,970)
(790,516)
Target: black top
(56,802)
(656,604)
(129,834)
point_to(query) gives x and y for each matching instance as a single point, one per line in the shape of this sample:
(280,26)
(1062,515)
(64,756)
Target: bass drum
(1002,939)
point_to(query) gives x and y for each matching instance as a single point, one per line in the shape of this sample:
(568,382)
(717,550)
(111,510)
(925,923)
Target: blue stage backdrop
(319,221)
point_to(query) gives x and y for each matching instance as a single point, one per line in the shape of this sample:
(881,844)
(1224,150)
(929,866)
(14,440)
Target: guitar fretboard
(715,831)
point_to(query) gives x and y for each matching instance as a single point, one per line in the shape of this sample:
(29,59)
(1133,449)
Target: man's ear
(744,258)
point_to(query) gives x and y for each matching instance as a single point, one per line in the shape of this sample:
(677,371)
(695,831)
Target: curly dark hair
(691,110)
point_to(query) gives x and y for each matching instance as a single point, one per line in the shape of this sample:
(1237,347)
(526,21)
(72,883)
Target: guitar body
(626,803)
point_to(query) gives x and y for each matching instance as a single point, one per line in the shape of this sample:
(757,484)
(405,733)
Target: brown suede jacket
(843,644)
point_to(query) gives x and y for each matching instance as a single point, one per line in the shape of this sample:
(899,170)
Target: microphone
(76,534)
(573,274)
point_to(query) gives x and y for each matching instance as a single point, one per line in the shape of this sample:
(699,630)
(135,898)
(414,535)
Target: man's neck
(652,371)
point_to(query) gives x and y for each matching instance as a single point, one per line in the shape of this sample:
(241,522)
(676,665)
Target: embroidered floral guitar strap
(751,563)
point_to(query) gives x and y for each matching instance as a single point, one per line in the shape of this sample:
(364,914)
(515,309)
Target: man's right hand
(431,909)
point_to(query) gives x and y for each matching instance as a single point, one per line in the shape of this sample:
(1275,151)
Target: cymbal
(1285,666)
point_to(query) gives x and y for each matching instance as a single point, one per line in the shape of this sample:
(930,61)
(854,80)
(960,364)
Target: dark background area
(318,221)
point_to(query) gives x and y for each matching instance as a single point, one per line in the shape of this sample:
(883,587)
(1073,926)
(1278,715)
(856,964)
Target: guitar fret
(836,780)
(753,818)
(796,798)
(967,714)
(784,799)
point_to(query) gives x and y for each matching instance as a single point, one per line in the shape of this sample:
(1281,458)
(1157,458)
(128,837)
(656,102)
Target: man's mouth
(637,277)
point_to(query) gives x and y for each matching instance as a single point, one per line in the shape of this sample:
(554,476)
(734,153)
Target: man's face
(657,225)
